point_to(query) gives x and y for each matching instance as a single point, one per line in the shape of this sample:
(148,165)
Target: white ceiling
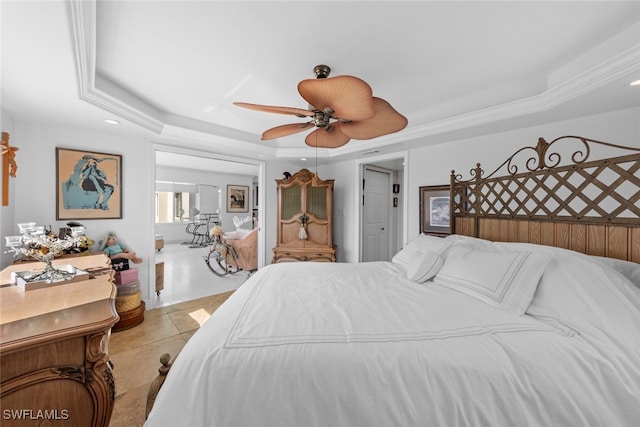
(170,70)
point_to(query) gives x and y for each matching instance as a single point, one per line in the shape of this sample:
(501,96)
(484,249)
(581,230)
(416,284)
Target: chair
(245,242)
(199,228)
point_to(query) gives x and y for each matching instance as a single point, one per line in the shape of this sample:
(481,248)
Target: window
(172,206)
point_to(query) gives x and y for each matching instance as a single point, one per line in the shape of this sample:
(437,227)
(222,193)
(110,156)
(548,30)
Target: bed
(495,325)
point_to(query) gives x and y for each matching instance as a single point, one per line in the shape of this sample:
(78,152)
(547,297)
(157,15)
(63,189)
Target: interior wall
(344,194)
(7,213)
(35,186)
(34,189)
(176,232)
(433,165)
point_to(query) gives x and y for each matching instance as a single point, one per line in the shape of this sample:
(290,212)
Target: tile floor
(187,276)
(136,352)
(191,293)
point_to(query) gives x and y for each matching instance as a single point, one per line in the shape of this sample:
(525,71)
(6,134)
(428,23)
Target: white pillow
(423,265)
(629,269)
(421,243)
(590,297)
(506,280)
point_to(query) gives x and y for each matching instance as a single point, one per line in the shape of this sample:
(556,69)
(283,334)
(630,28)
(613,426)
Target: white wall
(7,213)
(35,188)
(345,194)
(432,165)
(177,232)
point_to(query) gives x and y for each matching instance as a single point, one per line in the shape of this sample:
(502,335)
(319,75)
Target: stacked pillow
(423,257)
(423,265)
(504,279)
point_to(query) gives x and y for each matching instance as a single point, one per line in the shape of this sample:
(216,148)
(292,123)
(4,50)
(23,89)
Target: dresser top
(64,309)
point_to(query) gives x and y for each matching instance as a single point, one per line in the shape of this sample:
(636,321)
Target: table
(54,359)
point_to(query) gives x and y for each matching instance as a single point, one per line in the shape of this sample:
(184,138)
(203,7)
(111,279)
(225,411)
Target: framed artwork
(88,185)
(435,209)
(237,198)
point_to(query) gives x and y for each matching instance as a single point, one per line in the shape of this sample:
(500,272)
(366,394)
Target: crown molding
(83,31)
(108,96)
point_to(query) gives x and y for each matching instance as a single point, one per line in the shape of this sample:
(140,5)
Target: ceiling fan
(341,108)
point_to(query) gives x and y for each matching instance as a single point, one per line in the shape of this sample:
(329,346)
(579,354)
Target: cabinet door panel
(317,201)
(291,201)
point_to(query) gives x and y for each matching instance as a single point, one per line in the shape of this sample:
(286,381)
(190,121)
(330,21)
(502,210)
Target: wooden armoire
(305,218)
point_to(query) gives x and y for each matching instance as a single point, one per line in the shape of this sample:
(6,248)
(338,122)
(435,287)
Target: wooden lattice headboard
(590,206)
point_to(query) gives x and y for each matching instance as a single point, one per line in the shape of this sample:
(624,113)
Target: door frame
(391,223)
(260,164)
(359,175)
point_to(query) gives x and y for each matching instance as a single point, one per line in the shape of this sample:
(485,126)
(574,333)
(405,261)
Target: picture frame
(435,210)
(237,198)
(88,184)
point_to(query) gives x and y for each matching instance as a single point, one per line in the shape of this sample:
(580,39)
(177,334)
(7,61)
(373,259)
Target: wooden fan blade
(387,120)
(327,139)
(278,110)
(349,97)
(285,130)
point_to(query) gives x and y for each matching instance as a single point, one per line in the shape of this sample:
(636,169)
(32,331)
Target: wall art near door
(88,185)
(435,213)
(237,198)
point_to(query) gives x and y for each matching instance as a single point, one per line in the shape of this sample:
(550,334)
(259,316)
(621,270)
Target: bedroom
(36,129)
(431,151)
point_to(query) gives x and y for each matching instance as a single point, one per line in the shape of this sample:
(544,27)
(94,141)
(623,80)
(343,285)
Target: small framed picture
(237,198)
(88,185)
(435,209)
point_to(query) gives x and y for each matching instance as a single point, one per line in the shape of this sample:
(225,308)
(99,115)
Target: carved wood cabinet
(54,360)
(305,219)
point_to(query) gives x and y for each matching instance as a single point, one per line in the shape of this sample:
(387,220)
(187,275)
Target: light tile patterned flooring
(191,293)
(136,352)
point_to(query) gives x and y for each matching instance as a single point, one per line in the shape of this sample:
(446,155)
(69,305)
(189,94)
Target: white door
(377,196)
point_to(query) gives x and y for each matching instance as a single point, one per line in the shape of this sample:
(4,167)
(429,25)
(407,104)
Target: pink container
(126,277)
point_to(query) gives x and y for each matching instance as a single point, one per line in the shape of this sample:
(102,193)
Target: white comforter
(311,344)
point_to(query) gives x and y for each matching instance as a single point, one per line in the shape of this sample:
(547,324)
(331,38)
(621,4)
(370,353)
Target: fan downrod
(321,71)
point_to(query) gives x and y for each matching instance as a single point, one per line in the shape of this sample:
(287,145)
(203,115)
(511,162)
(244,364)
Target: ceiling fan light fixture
(341,108)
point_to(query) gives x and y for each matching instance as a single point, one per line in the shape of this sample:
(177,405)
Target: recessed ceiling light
(111,121)
(304,159)
(635,83)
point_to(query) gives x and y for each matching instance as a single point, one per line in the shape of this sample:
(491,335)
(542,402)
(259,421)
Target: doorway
(375,214)
(210,175)
(382,225)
